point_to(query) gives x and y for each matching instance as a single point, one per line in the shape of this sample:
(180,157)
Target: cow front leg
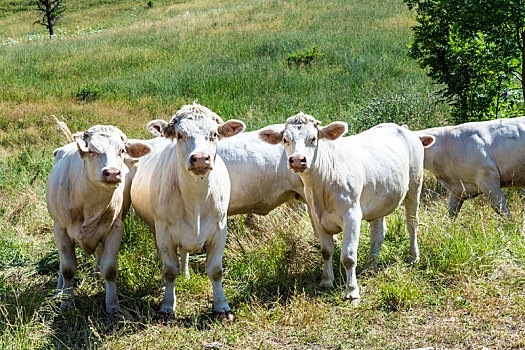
(327,251)
(351,230)
(68,266)
(170,267)
(454,204)
(377,236)
(108,266)
(214,270)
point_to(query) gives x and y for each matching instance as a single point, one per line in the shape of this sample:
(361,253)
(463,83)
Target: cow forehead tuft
(195,112)
(301,118)
(104,131)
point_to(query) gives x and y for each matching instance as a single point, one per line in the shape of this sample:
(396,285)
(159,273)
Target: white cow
(478,157)
(361,177)
(182,192)
(84,196)
(260,179)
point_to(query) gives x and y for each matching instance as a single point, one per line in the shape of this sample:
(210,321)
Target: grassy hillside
(120,62)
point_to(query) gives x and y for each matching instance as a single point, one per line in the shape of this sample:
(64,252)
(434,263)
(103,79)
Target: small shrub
(88,93)
(305,58)
(151,3)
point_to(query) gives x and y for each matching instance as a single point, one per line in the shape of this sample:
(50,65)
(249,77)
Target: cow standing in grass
(182,192)
(361,177)
(84,196)
(480,157)
(260,179)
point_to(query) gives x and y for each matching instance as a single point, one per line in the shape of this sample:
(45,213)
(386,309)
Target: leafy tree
(476,50)
(51,12)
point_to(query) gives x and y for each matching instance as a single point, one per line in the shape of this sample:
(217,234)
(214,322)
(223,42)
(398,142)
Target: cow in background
(478,157)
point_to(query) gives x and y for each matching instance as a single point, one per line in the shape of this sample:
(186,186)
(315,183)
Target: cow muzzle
(297,163)
(200,164)
(111,176)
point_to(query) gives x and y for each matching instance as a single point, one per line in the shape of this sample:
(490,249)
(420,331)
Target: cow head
(300,138)
(197,131)
(103,149)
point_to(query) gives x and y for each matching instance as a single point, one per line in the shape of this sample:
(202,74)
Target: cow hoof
(166,310)
(67,305)
(413,260)
(326,284)
(353,301)
(226,316)
(113,310)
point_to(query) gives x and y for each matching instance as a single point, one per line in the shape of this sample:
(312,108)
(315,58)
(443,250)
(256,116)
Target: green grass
(122,63)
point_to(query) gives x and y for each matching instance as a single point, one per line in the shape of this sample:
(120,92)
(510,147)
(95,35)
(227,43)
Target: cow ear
(427,140)
(231,127)
(82,147)
(137,149)
(271,135)
(158,127)
(333,130)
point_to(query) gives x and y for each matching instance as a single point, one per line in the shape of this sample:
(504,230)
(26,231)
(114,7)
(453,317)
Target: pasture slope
(120,62)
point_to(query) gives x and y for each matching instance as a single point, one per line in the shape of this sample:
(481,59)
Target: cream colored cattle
(84,196)
(349,179)
(182,192)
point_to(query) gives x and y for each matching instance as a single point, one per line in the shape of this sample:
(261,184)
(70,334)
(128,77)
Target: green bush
(88,93)
(305,58)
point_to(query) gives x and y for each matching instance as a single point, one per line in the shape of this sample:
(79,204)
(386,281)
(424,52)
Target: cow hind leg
(412,218)
(496,198)
(377,236)
(454,205)
(184,268)
(68,266)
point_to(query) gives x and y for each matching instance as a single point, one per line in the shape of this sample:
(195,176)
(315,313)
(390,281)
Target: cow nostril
(193,159)
(303,160)
(290,160)
(110,173)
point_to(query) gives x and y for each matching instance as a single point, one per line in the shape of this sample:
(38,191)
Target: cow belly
(187,238)
(381,205)
(514,177)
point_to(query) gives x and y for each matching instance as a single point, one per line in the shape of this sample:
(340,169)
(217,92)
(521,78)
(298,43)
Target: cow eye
(285,141)
(121,151)
(179,136)
(313,140)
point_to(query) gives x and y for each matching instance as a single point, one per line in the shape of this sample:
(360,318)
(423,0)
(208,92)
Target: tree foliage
(475,49)
(51,12)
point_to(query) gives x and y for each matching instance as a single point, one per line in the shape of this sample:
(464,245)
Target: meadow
(122,63)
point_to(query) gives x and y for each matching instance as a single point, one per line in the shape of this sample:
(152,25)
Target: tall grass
(126,64)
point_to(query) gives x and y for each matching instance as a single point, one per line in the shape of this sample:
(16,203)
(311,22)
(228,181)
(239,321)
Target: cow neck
(195,193)
(315,180)
(322,164)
